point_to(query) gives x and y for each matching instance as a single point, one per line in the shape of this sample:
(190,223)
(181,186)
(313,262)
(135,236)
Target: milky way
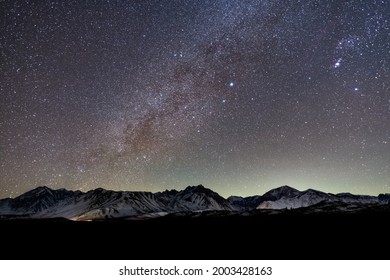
(240,96)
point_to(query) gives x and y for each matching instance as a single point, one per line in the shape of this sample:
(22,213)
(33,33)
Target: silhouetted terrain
(305,233)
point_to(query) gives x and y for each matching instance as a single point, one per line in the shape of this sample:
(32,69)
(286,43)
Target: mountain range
(98,204)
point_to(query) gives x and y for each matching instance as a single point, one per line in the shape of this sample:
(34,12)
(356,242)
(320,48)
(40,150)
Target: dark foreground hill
(325,231)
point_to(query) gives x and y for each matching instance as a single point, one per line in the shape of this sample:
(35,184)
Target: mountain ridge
(44,202)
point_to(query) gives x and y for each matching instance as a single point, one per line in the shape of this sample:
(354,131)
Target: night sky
(240,96)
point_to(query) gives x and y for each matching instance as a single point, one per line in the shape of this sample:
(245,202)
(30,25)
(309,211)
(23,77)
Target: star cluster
(240,95)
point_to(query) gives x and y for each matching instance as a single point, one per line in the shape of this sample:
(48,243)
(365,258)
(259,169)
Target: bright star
(338,63)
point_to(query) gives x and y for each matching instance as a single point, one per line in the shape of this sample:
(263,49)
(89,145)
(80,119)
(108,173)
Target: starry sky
(241,96)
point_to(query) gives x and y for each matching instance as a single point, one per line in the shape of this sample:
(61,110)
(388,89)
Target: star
(337,64)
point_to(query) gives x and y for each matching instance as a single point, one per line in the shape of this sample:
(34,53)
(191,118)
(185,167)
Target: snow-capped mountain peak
(43,202)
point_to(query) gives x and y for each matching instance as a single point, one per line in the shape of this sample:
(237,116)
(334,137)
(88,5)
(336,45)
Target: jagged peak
(282,190)
(43,188)
(169,192)
(286,187)
(199,189)
(314,191)
(196,188)
(344,193)
(99,190)
(37,191)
